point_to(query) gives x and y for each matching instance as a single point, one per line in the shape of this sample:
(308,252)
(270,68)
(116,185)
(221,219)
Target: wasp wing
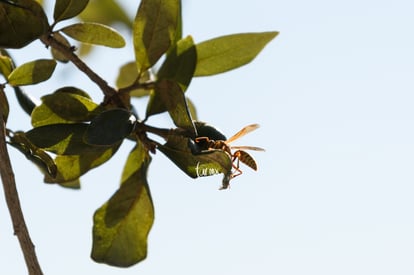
(252,148)
(243,132)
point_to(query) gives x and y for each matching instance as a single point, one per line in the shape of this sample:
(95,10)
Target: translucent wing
(243,132)
(252,148)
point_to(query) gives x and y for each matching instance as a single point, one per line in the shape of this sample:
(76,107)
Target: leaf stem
(13,204)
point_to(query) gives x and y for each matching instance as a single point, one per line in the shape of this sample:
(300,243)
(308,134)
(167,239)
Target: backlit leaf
(6,65)
(110,127)
(66,105)
(192,109)
(193,161)
(169,96)
(128,75)
(94,33)
(229,52)
(71,167)
(180,63)
(32,72)
(121,225)
(75,184)
(36,155)
(106,12)
(62,139)
(154,30)
(21,23)
(65,9)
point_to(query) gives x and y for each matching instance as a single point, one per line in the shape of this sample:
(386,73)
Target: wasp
(237,156)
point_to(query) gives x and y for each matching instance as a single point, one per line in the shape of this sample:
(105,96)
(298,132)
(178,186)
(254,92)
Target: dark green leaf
(66,105)
(121,225)
(194,161)
(26,101)
(180,63)
(65,9)
(21,23)
(32,72)
(207,130)
(62,139)
(155,30)
(110,127)
(225,53)
(169,96)
(94,33)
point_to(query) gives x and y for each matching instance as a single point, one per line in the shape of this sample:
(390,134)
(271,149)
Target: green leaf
(129,75)
(65,9)
(65,105)
(194,161)
(75,184)
(180,63)
(229,52)
(106,12)
(154,30)
(36,155)
(21,23)
(32,72)
(62,139)
(192,109)
(58,54)
(94,33)
(26,101)
(121,225)
(110,127)
(169,96)
(6,65)
(179,30)
(178,68)
(71,167)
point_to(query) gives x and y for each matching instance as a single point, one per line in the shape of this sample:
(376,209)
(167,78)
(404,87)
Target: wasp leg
(201,139)
(238,172)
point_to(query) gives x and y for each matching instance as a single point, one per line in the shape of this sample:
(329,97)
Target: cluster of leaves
(82,134)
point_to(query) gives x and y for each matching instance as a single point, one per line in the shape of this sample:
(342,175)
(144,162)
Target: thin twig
(13,204)
(108,91)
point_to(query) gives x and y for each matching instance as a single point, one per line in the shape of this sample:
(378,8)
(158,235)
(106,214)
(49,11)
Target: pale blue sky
(334,191)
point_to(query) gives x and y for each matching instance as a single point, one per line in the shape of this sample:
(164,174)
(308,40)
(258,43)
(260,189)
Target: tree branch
(108,91)
(13,204)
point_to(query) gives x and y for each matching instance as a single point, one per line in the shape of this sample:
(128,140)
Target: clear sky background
(334,191)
